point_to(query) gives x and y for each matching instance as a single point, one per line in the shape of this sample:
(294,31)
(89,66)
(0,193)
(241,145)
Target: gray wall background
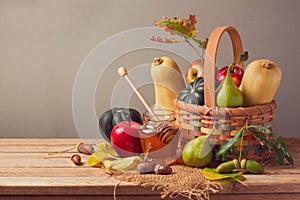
(43,43)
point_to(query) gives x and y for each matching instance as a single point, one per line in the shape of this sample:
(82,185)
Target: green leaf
(261,135)
(212,175)
(281,145)
(274,144)
(230,144)
(164,23)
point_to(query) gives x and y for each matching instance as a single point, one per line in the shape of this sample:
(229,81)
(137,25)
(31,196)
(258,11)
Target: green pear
(198,152)
(227,94)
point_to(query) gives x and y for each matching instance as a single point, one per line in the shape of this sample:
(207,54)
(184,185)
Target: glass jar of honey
(159,134)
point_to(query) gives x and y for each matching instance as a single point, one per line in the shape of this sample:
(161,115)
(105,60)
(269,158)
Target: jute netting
(184,181)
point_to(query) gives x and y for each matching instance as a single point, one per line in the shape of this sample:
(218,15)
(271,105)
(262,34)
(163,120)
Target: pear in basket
(228,95)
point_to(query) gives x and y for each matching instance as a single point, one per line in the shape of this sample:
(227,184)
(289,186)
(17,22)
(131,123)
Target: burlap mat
(184,181)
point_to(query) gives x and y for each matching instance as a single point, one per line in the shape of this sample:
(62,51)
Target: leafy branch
(274,143)
(183,27)
(230,144)
(266,136)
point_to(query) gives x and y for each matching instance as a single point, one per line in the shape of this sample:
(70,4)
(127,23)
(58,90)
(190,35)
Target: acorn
(252,166)
(163,170)
(76,159)
(227,167)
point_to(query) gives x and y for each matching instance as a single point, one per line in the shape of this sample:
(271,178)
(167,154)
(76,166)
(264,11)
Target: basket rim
(217,111)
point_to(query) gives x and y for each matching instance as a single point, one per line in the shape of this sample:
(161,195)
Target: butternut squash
(260,82)
(168,82)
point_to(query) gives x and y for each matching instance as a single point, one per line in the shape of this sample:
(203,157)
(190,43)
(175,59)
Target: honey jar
(159,133)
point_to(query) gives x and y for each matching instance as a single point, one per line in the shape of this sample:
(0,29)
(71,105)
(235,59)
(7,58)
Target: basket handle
(210,59)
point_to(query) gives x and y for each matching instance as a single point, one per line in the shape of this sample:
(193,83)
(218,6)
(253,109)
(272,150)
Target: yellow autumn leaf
(107,148)
(106,156)
(125,163)
(213,175)
(96,158)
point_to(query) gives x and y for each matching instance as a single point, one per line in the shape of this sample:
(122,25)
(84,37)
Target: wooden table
(25,173)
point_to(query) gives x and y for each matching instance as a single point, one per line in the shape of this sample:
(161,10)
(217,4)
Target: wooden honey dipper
(167,132)
(123,73)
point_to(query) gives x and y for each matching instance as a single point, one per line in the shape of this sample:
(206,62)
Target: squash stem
(267,64)
(158,61)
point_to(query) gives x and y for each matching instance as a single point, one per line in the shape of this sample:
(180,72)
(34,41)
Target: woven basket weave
(196,120)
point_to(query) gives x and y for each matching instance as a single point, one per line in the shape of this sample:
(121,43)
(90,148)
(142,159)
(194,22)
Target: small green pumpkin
(113,116)
(193,93)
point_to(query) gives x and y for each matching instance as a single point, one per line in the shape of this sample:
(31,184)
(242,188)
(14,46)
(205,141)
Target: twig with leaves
(266,136)
(272,141)
(183,27)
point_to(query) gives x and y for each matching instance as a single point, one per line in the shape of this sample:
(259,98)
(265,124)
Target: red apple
(125,138)
(236,74)
(196,69)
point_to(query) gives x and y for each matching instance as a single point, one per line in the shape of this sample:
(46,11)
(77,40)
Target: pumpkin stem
(158,61)
(244,57)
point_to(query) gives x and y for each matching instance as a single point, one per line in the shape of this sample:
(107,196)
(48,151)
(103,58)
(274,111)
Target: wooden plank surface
(26,170)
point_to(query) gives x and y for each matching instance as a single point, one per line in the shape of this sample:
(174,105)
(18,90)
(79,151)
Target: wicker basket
(196,120)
